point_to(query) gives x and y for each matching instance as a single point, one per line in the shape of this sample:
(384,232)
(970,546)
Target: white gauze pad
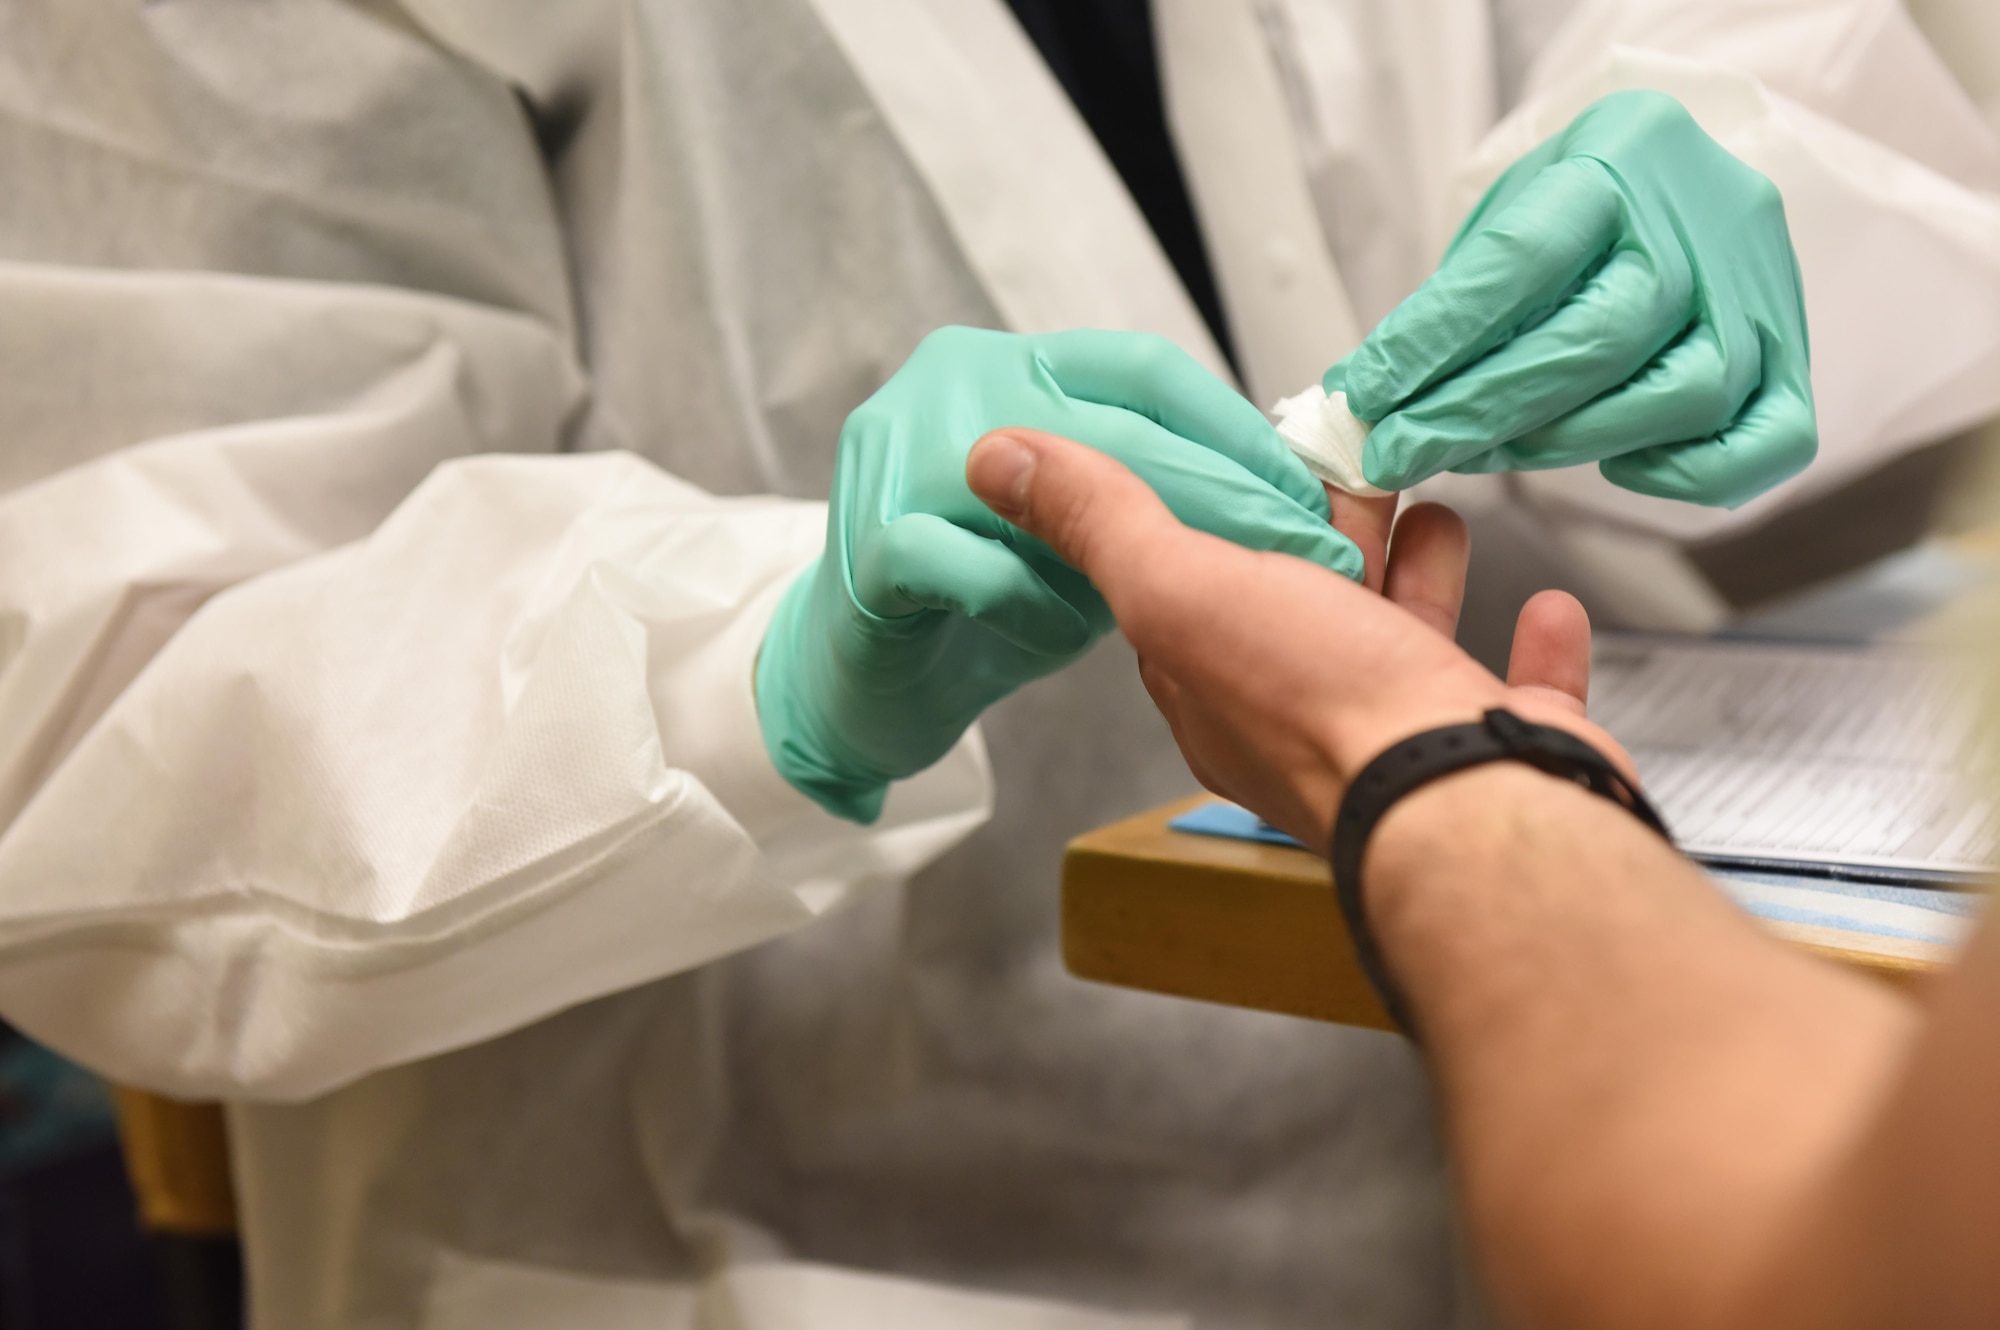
(1317,426)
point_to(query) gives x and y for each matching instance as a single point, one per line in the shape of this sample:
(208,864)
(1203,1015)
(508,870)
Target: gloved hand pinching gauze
(1625,294)
(1324,434)
(926,607)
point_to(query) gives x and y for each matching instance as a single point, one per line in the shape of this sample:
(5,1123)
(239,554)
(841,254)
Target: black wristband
(1500,736)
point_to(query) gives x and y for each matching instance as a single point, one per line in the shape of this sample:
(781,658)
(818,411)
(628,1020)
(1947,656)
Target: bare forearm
(1644,1089)
(1910,1220)
(1662,1117)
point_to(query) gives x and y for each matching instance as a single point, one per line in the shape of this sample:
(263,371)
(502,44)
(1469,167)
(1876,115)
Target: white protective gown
(367,764)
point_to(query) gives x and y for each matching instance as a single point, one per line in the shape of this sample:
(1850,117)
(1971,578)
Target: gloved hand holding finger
(1153,377)
(926,607)
(1626,294)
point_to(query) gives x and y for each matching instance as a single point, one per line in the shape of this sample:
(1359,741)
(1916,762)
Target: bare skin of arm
(1661,1117)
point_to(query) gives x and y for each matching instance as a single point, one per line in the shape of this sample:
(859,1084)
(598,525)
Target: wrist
(1470,817)
(1432,857)
(1428,761)
(1478,841)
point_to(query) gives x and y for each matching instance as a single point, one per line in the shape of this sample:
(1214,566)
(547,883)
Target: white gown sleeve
(1891,182)
(318,756)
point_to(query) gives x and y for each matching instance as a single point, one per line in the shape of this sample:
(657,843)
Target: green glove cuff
(815,762)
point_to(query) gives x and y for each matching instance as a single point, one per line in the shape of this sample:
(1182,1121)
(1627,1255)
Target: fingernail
(1000,470)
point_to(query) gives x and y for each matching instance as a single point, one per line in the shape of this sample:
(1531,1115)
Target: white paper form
(1828,758)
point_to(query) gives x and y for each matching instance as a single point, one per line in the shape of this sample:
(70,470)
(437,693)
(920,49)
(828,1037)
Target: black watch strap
(1499,736)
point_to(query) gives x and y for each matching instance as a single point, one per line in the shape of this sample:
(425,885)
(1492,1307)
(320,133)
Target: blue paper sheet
(1939,915)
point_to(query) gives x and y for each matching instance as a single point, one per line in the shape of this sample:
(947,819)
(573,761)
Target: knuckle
(952,342)
(900,542)
(1371,386)
(1767,201)
(1654,111)
(1602,190)
(952,334)
(1800,435)
(938,340)
(1666,111)
(1154,358)
(864,425)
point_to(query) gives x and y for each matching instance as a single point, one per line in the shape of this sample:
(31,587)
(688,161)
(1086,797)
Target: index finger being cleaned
(1367,522)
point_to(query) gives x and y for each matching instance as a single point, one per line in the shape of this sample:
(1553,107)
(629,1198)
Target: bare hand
(1281,680)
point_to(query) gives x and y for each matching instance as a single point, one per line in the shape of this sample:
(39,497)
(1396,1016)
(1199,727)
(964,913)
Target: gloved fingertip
(1076,636)
(1347,560)
(1366,381)
(1390,465)
(1055,632)
(1313,493)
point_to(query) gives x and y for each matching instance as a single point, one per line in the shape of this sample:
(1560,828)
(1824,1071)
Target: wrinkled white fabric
(1327,437)
(1387,99)
(341,758)
(1966,36)
(370,741)
(1862,64)
(974,105)
(170,434)
(564,797)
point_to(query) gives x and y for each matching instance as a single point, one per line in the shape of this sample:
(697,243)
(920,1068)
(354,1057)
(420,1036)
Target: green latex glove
(926,607)
(1625,294)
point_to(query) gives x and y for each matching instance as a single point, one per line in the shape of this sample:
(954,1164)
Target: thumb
(1099,518)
